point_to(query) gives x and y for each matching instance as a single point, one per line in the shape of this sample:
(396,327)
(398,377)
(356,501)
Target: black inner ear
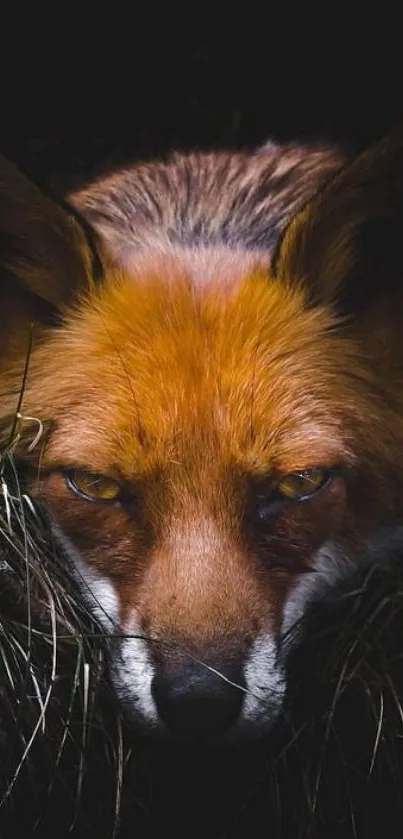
(13,291)
(345,246)
(376,272)
(45,244)
(374,268)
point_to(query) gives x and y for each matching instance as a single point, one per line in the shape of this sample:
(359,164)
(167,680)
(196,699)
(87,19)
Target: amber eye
(94,487)
(300,485)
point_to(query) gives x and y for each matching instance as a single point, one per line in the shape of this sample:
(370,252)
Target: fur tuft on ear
(345,245)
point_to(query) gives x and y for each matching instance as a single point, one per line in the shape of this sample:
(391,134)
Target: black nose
(197,700)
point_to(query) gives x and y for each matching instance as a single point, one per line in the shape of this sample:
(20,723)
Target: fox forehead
(147,370)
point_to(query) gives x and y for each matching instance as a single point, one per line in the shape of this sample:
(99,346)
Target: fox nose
(199,701)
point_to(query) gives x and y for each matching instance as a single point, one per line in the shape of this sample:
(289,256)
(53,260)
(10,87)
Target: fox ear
(345,247)
(45,256)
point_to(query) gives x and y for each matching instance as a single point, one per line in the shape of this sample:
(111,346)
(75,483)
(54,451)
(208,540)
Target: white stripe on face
(97,590)
(132,672)
(329,567)
(265,690)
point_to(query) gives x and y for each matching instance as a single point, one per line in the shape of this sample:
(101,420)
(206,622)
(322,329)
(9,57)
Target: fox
(204,359)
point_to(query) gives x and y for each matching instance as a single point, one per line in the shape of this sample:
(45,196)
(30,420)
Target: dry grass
(337,756)
(52,715)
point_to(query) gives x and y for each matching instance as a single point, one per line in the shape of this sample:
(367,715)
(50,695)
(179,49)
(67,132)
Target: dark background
(64,119)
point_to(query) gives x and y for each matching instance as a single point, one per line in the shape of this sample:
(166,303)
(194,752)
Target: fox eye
(297,486)
(94,487)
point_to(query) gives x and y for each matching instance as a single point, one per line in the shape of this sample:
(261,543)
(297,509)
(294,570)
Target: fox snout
(198,658)
(198,655)
(204,697)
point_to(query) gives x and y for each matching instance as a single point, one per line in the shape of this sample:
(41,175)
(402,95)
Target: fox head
(215,430)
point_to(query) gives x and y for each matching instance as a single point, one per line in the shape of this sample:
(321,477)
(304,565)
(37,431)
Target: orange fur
(187,397)
(197,376)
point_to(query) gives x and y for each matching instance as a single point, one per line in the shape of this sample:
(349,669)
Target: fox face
(212,408)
